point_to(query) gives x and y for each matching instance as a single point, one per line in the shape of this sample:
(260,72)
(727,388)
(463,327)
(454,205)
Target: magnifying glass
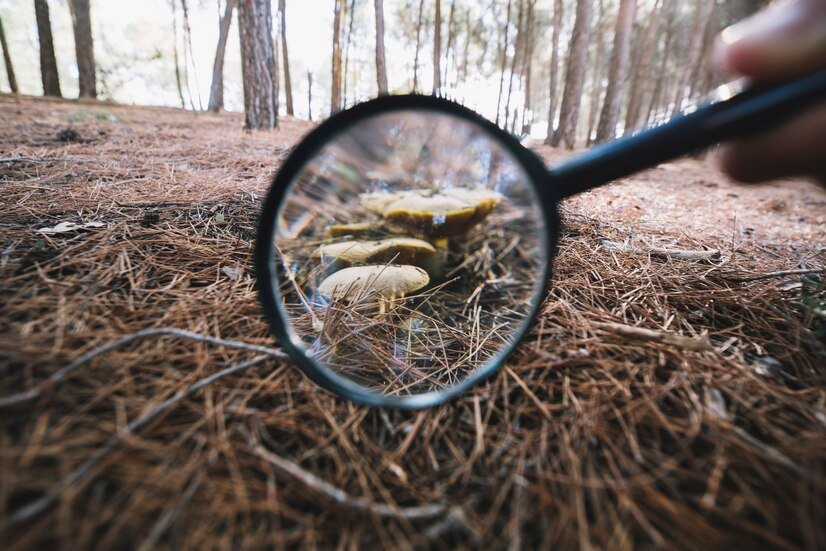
(406,244)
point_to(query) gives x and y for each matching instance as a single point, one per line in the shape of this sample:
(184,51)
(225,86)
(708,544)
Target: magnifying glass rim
(265,267)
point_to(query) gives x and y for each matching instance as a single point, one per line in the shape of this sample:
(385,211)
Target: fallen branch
(687,343)
(61,374)
(781,273)
(342,499)
(681,254)
(77,476)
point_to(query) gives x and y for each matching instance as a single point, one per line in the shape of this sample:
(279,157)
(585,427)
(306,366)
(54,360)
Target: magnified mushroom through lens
(410,252)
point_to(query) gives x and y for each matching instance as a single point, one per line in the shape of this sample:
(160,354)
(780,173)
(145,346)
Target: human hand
(784,41)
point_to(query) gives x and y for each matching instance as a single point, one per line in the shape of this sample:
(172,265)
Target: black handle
(749,112)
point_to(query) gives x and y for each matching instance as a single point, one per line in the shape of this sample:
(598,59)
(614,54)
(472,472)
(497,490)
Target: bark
(7,60)
(381,64)
(698,75)
(662,76)
(309,94)
(418,47)
(437,49)
(48,63)
(574,76)
(618,71)
(596,83)
(84,47)
(504,61)
(175,52)
(335,92)
(216,89)
(346,52)
(288,85)
(554,70)
(642,76)
(258,64)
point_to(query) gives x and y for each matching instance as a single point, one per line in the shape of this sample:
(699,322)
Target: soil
(596,434)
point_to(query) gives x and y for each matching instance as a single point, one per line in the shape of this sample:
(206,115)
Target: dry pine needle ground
(608,429)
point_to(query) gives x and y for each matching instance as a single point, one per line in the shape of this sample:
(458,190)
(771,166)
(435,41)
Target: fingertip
(730,160)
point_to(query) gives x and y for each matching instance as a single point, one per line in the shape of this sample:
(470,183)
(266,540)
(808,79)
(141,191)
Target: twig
(39,159)
(697,345)
(341,498)
(682,254)
(61,374)
(781,273)
(40,505)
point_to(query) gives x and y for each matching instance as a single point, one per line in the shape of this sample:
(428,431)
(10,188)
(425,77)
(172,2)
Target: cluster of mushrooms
(422,223)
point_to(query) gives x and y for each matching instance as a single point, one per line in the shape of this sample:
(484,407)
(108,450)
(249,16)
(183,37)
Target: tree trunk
(703,11)
(449,47)
(659,86)
(381,65)
(346,52)
(7,60)
(618,71)
(437,49)
(48,63)
(309,94)
(174,4)
(642,73)
(596,83)
(574,76)
(84,49)
(418,47)
(188,50)
(557,23)
(288,85)
(527,111)
(216,89)
(504,62)
(258,66)
(517,45)
(335,88)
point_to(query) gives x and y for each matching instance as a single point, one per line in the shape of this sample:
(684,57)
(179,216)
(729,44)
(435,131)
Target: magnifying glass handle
(756,109)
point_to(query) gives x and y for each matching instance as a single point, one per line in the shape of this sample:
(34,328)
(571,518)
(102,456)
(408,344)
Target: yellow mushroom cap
(358,228)
(388,281)
(449,212)
(400,249)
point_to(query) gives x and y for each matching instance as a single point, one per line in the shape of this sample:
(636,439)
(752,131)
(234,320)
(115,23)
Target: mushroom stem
(436,264)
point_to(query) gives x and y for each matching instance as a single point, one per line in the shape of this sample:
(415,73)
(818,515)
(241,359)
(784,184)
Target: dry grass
(587,438)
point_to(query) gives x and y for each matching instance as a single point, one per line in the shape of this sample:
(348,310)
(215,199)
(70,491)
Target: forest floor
(594,435)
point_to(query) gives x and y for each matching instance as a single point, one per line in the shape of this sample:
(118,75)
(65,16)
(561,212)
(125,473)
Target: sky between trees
(491,50)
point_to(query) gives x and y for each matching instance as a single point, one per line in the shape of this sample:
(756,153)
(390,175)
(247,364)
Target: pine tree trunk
(517,45)
(574,76)
(703,11)
(84,48)
(346,52)
(437,50)
(216,89)
(7,60)
(174,4)
(662,76)
(527,111)
(504,62)
(618,71)
(702,56)
(418,47)
(557,23)
(642,73)
(188,50)
(381,65)
(258,65)
(596,81)
(449,46)
(288,85)
(48,63)
(335,88)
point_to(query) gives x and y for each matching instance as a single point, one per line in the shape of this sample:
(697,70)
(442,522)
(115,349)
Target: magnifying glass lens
(410,253)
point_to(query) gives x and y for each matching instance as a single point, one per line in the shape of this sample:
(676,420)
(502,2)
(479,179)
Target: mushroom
(404,250)
(388,281)
(356,229)
(434,215)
